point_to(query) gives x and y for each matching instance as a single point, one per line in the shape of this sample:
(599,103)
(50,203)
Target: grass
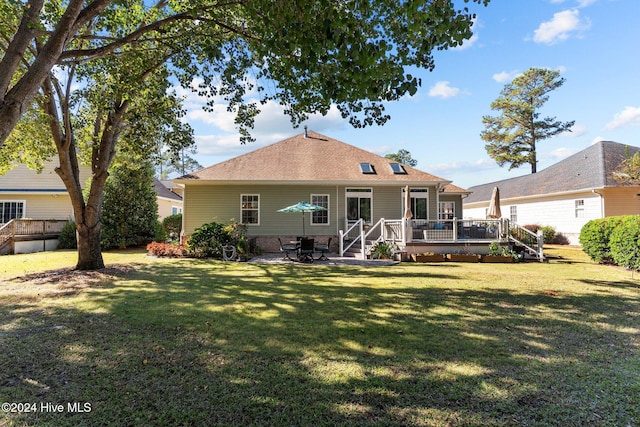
(154,342)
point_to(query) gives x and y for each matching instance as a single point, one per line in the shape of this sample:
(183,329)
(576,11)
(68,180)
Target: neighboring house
(39,203)
(169,202)
(24,193)
(582,187)
(349,182)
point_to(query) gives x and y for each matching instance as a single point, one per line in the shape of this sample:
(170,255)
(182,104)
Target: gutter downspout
(601,202)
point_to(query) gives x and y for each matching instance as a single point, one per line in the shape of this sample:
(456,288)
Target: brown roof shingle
(311,159)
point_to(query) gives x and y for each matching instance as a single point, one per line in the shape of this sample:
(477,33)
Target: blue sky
(591,42)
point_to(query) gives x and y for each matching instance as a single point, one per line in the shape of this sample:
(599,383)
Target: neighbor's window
(320,217)
(513,213)
(250,209)
(580,208)
(176,210)
(11,210)
(446,210)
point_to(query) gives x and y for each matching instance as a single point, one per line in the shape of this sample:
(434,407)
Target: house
(169,201)
(566,195)
(39,197)
(24,193)
(357,188)
(40,205)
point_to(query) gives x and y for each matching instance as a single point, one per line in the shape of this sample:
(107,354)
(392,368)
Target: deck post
(455,229)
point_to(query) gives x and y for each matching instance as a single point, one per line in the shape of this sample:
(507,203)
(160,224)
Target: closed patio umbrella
(302,207)
(407,203)
(494,204)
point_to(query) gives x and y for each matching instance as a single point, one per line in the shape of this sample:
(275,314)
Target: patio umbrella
(407,203)
(302,207)
(494,204)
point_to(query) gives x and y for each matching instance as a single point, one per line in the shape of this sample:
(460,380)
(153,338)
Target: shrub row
(613,240)
(208,241)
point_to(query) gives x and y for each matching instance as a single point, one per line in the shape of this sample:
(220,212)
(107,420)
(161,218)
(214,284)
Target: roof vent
(306,134)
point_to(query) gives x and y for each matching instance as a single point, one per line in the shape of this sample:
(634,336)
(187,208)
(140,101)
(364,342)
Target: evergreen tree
(512,137)
(130,207)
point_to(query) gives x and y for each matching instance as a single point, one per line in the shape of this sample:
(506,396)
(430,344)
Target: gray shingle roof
(590,168)
(163,191)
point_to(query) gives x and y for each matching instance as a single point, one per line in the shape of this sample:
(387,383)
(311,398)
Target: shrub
(160,234)
(208,241)
(625,243)
(383,250)
(173,226)
(166,250)
(594,238)
(548,233)
(68,238)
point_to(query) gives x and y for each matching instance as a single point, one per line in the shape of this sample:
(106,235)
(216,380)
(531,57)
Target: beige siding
(621,201)
(23,178)
(42,206)
(165,207)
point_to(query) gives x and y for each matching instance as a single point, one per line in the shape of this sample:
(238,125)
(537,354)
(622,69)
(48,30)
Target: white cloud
(576,131)
(560,27)
(585,3)
(628,116)
(443,90)
(505,76)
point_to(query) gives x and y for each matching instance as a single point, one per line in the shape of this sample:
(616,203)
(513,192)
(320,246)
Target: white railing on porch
(453,231)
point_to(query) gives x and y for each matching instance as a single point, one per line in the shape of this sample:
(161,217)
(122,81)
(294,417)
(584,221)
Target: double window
(11,210)
(250,208)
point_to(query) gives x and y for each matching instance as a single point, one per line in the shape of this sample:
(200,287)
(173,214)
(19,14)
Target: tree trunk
(89,251)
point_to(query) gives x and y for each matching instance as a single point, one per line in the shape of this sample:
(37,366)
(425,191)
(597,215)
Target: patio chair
(287,249)
(324,250)
(305,254)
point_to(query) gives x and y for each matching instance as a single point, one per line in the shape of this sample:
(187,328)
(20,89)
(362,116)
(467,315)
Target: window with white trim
(250,208)
(446,210)
(320,217)
(11,209)
(359,204)
(176,210)
(419,203)
(579,205)
(513,213)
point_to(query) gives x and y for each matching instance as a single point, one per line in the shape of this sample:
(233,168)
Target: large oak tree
(306,55)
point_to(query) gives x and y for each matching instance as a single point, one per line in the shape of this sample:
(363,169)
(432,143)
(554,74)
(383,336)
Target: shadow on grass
(285,345)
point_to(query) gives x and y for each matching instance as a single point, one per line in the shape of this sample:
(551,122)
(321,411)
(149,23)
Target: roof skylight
(397,168)
(367,168)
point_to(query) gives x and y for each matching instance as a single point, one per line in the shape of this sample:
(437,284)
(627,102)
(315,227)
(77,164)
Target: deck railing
(451,231)
(30,228)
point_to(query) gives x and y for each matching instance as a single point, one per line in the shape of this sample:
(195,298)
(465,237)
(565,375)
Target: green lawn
(156,342)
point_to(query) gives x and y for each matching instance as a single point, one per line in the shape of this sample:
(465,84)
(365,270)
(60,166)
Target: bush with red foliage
(166,250)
